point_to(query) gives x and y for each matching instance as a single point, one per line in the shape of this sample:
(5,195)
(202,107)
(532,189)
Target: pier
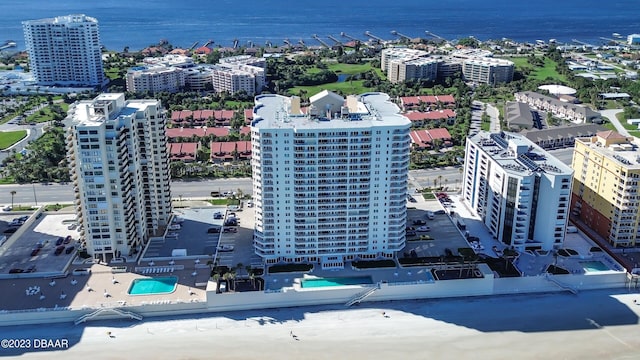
(7,45)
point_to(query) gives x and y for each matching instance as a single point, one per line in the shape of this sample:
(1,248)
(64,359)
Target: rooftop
(517,154)
(614,146)
(365,110)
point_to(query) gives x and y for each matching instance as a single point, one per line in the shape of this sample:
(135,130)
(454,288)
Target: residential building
(487,70)
(329,186)
(520,191)
(633,39)
(560,137)
(65,51)
(233,80)
(519,116)
(155,79)
(561,109)
(605,186)
(119,164)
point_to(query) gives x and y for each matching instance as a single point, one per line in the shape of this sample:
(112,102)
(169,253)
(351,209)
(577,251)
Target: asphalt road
(63,193)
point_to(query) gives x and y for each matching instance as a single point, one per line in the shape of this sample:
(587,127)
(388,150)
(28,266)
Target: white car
(423,228)
(175,227)
(177,220)
(225,248)
(249,203)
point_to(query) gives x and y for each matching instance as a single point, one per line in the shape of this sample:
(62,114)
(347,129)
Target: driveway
(611,116)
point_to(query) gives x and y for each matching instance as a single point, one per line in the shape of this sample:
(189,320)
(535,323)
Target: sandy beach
(590,325)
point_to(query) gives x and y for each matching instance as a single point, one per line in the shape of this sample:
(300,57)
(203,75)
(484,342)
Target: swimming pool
(594,266)
(155,286)
(337,281)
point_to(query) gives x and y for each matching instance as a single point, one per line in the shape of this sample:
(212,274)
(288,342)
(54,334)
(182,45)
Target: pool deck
(89,291)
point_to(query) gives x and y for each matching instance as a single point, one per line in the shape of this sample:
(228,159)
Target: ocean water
(140,23)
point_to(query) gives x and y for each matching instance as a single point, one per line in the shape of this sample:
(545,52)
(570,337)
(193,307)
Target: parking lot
(443,233)
(203,235)
(42,234)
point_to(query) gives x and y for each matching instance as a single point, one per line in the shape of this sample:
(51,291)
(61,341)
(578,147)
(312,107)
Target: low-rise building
(155,79)
(561,109)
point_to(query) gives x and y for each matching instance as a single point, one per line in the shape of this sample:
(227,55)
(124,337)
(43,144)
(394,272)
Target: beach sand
(590,325)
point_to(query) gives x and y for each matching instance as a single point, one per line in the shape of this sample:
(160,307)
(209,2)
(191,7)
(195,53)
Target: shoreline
(587,325)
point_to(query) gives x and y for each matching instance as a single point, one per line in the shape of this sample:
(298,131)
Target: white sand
(591,325)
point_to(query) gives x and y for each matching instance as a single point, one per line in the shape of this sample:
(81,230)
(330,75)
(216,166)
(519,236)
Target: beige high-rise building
(119,164)
(605,186)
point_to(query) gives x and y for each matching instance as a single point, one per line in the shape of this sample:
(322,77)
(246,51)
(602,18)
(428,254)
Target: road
(611,115)
(27,194)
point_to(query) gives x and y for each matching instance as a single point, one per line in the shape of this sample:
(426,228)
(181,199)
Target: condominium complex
(329,183)
(487,70)
(119,164)
(155,79)
(520,192)
(605,186)
(402,64)
(65,51)
(559,108)
(173,72)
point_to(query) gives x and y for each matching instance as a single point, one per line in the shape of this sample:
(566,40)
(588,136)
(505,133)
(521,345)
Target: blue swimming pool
(594,266)
(155,286)
(336,281)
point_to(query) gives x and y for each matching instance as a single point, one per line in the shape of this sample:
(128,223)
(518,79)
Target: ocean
(137,24)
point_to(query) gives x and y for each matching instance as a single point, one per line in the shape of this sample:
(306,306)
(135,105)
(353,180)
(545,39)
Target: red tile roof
(431,115)
(424,138)
(183,151)
(197,131)
(203,50)
(248,116)
(245,130)
(411,101)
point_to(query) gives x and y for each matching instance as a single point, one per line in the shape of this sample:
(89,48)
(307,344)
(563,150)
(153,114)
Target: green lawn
(113,73)
(346,87)
(539,73)
(8,138)
(48,115)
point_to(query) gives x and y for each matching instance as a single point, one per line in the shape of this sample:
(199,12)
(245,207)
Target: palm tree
(13,193)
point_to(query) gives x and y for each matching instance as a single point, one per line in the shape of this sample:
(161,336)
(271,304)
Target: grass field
(8,138)
(539,73)
(48,116)
(347,87)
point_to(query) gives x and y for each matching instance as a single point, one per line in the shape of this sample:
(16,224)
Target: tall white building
(330,183)
(520,191)
(65,50)
(119,165)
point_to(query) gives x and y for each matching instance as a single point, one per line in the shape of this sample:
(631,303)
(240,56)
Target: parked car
(7,208)
(23,218)
(58,250)
(69,249)
(16,271)
(411,199)
(175,227)
(59,241)
(430,215)
(230,230)
(11,230)
(439,212)
(231,222)
(411,233)
(68,239)
(249,203)
(72,226)
(35,251)
(423,228)
(225,248)
(425,237)
(177,220)
(218,215)
(419,222)
(213,230)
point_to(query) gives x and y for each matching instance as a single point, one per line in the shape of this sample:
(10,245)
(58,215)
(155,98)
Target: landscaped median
(9,138)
